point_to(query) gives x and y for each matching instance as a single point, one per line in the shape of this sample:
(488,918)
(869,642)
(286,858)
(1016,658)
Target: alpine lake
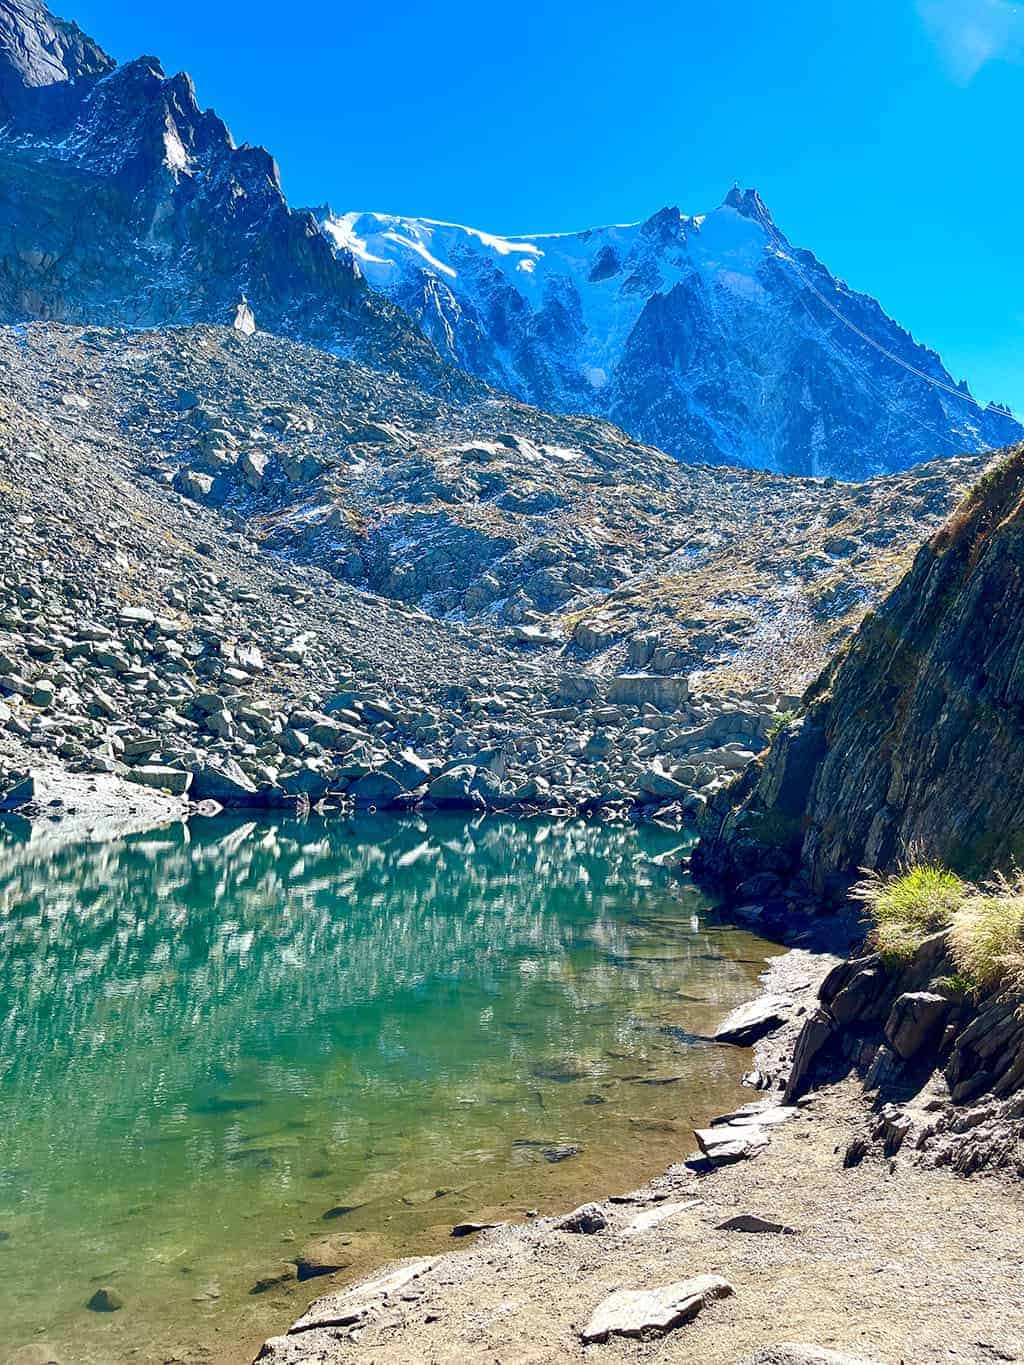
(221,1041)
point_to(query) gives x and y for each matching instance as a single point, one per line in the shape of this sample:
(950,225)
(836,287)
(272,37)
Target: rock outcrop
(944,1069)
(121,201)
(910,741)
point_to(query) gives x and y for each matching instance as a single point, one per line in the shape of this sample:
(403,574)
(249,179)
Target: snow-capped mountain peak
(707,334)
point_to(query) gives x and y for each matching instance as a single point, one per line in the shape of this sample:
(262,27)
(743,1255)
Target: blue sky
(884,135)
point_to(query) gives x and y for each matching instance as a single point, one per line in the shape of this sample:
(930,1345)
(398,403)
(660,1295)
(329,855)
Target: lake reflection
(211,1034)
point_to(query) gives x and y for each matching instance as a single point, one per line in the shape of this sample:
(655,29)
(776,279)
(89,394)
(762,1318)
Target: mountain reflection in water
(210,1033)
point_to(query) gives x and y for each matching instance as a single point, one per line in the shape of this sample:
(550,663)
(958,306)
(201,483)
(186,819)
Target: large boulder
(638,689)
(173,780)
(455,787)
(227,785)
(377,789)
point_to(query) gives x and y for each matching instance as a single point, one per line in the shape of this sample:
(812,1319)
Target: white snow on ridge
(626,262)
(175,156)
(709,335)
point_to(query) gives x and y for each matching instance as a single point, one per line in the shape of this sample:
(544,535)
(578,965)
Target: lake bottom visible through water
(222,1041)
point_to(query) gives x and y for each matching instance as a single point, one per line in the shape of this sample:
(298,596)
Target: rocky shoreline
(780,1190)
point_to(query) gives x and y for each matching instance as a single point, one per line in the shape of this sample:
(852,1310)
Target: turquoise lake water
(211,1035)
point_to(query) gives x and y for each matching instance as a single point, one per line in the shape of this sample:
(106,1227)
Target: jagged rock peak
(750,204)
(44,63)
(123,202)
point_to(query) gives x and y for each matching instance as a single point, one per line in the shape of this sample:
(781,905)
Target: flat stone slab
(749,1023)
(651,1217)
(758,1115)
(634,1312)
(731,1142)
(354,1304)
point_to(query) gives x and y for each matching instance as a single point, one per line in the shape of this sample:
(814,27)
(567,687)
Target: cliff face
(911,740)
(122,201)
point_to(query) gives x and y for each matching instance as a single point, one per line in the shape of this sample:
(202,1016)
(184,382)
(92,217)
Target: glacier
(710,336)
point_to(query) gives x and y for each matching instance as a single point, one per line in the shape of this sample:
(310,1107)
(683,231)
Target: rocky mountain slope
(252,570)
(122,201)
(909,743)
(712,337)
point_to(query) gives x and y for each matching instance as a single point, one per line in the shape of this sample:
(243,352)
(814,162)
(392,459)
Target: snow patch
(175,156)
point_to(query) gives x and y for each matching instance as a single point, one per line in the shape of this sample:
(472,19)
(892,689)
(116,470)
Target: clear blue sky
(883,134)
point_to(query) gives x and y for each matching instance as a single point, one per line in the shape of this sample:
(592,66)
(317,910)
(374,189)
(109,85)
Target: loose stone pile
(190,695)
(245,571)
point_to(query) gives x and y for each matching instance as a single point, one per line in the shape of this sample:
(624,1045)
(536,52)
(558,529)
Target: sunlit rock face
(710,336)
(122,201)
(46,66)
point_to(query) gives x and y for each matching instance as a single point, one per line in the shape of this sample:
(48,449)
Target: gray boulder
(637,1312)
(376,789)
(227,785)
(173,780)
(454,788)
(746,1024)
(916,1021)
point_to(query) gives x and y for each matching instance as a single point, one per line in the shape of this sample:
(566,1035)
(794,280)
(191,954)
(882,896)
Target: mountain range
(711,337)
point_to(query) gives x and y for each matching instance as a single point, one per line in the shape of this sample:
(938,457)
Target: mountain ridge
(123,203)
(643,323)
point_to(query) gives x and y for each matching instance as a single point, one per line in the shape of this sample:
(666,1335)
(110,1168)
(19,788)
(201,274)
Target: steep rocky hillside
(256,570)
(551,532)
(122,201)
(909,743)
(711,336)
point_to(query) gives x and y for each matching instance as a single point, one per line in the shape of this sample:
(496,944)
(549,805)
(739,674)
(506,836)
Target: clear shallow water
(210,1036)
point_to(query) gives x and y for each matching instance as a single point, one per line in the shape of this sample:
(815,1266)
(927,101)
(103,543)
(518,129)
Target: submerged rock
(324,1256)
(105,1301)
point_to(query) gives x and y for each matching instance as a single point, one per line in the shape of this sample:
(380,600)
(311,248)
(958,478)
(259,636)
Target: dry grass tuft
(985,923)
(987,935)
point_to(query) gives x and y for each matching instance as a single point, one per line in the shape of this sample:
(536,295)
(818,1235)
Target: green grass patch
(985,923)
(908,906)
